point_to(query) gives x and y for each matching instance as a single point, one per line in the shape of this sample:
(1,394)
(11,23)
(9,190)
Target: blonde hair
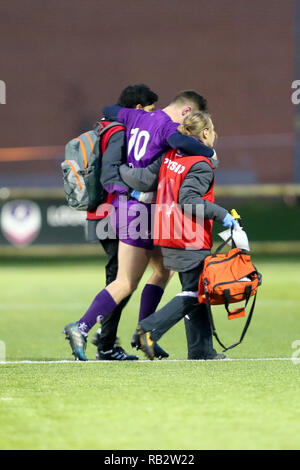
(194,124)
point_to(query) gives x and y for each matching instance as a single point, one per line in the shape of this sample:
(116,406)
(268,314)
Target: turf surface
(144,405)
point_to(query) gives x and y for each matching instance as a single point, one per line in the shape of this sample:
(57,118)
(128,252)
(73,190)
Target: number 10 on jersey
(138,142)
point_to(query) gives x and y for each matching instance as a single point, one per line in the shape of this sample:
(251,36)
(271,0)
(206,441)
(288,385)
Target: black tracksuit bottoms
(185,305)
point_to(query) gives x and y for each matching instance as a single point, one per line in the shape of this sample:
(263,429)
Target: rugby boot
(217,357)
(117,353)
(146,344)
(159,352)
(96,338)
(77,341)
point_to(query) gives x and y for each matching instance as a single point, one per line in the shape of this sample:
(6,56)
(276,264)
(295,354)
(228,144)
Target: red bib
(172,227)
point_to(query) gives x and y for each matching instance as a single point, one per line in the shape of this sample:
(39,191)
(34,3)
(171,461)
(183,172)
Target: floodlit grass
(144,405)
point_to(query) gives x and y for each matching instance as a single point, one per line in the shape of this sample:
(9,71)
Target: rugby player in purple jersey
(148,135)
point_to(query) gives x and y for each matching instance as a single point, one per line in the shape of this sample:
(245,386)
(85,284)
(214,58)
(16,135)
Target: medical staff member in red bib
(184,215)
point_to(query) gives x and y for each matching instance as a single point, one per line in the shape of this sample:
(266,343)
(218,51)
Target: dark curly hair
(133,95)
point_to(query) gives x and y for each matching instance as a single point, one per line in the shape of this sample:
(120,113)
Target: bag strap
(212,325)
(224,243)
(211,320)
(248,319)
(237,310)
(100,129)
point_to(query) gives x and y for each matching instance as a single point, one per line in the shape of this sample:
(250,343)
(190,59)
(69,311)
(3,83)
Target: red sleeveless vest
(92,215)
(172,227)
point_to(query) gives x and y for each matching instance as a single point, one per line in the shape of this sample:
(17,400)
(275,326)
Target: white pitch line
(151,362)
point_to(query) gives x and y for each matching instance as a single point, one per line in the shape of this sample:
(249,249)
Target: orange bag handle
(238,312)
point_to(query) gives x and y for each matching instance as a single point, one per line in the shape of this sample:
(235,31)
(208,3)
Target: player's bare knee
(127,286)
(162,275)
(132,285)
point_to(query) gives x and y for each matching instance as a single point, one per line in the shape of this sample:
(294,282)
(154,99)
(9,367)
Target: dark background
(63,60)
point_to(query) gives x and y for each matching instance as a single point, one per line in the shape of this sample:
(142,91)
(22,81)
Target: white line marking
(259,359)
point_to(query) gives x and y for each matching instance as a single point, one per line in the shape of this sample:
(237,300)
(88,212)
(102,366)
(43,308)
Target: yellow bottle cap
(234,214)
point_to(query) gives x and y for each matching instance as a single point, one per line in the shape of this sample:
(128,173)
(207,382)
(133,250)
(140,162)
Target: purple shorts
(133,223)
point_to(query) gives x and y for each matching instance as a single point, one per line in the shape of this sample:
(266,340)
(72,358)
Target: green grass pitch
(144,405)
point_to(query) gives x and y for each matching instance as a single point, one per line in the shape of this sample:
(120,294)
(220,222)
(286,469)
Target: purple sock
(150,299)
(102,305)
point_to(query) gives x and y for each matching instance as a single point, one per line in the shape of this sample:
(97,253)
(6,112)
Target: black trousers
(110,323)
(185,304)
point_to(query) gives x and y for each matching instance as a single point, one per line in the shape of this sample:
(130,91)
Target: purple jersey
(147,134)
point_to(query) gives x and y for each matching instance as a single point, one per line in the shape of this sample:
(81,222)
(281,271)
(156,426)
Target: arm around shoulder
(111,112)
(189,145)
